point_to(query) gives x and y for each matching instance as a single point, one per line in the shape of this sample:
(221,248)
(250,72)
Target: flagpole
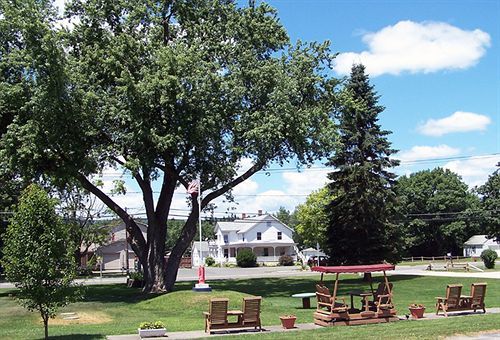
(199,215)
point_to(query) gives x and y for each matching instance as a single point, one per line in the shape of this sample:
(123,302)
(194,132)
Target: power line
(324,167)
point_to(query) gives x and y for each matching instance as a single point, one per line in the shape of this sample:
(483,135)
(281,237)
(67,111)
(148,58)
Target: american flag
(193,187)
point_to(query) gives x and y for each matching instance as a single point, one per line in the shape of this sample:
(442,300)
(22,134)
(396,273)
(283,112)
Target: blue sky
(436,66)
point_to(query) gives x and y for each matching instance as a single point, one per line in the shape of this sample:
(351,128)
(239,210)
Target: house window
(226,240)
(280,236)
(268,224)
(266,251)
(226,253)
(259,236)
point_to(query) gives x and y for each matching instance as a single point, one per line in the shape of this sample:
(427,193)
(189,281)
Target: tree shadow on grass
(77,336)
(285,287)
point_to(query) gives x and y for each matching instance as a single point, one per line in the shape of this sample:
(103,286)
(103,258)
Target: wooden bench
(217,316)
(455,301)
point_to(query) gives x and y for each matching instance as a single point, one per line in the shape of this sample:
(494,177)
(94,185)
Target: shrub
(136,276)
(489,256)
(285,260)
(246,259)
(152,325)
(209,261)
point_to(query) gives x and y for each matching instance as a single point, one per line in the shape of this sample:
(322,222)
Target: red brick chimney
(260,212)
(243,216)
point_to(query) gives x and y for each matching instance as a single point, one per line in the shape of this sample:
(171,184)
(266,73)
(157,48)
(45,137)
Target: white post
(199,215)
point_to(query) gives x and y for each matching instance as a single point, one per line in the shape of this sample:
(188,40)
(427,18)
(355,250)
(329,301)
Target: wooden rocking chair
(451,302)
(216,318)
(251,312)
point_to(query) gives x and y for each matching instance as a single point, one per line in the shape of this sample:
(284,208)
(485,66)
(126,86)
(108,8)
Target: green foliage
(361,213)
(285,260)
(209,261)
(490,204)
(246,258)
(165,90)
(38,255)
(151,325)
(312,219)
(430,200)
(286,217)
(489,256)
(136,276)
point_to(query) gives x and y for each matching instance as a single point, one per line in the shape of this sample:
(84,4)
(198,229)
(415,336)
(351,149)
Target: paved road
(213,273)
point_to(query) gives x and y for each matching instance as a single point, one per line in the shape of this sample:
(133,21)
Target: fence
(434,258)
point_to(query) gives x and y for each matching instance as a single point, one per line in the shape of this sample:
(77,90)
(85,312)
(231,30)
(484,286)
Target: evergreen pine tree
(360,230)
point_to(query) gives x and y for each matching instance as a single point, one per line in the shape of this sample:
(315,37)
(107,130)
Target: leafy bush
(152,325)
(136,276)
(209,261)
(285,260)
(489,256)
(246,258)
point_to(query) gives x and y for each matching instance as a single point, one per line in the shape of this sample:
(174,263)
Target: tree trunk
(155,262)
(45,318)
(188,233)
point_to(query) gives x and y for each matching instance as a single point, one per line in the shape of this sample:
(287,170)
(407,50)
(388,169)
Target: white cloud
(474,171)
(416,47)
(458,122)
(300,183)
(420,152)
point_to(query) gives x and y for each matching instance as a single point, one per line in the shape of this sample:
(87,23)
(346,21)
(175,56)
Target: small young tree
(38,255)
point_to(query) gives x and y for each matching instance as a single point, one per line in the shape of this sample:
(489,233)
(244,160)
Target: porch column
(274,253)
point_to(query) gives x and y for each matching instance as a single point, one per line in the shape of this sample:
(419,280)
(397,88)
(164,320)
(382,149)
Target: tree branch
(130,224)
(214,194)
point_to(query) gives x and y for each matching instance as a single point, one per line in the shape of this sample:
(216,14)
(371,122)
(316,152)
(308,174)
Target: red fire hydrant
(201,274)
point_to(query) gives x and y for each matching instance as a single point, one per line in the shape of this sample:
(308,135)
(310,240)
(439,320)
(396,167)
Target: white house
(474,246)
(114,253)
(208,248)
(266,236)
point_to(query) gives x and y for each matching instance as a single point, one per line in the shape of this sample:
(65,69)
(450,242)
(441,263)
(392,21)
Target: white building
(266,236)
(208,249)
(474,246)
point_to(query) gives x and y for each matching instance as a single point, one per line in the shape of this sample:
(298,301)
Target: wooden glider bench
(454,301)
(217,316)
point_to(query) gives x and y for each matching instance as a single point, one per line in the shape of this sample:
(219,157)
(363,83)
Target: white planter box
(151,333)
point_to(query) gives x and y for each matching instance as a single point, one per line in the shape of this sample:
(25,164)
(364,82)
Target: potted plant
(151,329)
(288,321)
(417,310)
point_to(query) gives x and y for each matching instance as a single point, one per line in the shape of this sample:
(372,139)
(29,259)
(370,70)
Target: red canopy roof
(355,269)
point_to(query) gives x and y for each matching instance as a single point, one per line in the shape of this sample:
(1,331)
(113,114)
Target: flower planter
(151,333)
(417,312)
(288,321)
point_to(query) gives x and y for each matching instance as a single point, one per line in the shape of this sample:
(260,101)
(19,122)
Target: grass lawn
(115,309)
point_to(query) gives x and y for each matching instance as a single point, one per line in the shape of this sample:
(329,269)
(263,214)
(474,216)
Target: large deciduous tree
(312,219)
(361,227)
(490,204)
(39,255)
(439,212)
(168,91)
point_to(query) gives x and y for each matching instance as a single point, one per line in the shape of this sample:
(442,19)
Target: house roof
(204,245)
(242,226)
(479,240)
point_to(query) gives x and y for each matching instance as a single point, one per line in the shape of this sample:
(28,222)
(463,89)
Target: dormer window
(268,224)
(226,239)
(259,236)
(280,235)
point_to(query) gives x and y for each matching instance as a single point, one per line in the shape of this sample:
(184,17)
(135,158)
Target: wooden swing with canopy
(376,305)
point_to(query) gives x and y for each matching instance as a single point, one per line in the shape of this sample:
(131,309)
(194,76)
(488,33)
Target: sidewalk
(307,326)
